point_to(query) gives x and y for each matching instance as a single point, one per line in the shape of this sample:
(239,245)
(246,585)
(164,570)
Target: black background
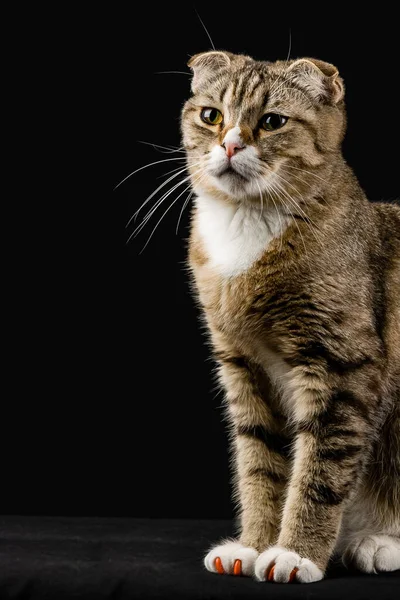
(112,390)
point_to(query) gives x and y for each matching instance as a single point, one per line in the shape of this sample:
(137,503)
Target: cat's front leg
(261,459)
(329,451)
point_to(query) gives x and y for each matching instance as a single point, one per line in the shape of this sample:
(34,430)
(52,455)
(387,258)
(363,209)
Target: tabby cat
(298,276)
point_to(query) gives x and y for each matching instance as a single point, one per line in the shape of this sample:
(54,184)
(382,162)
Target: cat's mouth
(229,171)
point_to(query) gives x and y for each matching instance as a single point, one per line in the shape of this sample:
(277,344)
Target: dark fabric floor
(48,557)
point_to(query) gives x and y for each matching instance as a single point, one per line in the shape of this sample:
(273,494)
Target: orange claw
(218,565)
(237,567)
(292,575)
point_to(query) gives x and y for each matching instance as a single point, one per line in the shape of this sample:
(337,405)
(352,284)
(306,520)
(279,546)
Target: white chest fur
(236,236)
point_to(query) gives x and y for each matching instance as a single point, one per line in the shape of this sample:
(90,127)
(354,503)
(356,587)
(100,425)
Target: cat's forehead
(247,81)
(251,85)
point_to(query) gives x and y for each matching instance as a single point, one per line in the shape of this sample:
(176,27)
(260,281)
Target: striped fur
(306,332)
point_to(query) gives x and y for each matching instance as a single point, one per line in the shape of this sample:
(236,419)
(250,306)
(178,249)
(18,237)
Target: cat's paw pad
(283,566)
(231,558)
(374,553)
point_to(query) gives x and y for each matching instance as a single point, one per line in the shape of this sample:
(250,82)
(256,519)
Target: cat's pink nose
(231,148)
(232,142)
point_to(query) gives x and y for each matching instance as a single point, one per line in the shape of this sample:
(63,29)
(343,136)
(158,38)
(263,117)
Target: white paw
(229,554)
(286,566)
(374,553)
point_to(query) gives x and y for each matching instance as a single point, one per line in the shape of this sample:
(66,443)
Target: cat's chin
(235,185)
(232,175)
(230,187)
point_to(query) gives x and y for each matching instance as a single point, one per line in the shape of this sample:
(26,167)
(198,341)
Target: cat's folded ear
(319,78)
(207,64)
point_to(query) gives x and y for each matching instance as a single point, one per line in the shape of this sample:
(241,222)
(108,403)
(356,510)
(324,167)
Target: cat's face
(249,125)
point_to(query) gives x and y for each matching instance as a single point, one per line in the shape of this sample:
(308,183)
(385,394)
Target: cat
(298,277)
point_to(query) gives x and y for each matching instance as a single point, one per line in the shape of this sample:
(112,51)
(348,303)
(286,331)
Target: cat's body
(299,278)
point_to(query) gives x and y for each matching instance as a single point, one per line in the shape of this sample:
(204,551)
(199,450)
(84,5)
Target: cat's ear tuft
(213,59)
(206,64)
(320,78)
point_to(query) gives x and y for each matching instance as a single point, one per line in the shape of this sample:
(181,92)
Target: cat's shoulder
(388,223)
(387,209)
(388,214)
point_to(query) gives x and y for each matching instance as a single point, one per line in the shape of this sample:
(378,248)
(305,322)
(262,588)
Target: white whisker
(280,224)
(157,162)
(282,168)
(188,165)
(157,224)
(160,201)
(304,171)
(183,209)
(135,214)
(157,204)
(290,199)
(169,172)
(261,198)
(307,219)
(205,29)
(168,72)
(310,185)
(180,171)
(186,202)
(161,218)
(174,170)
(168,149)
(290,46)
(151,212)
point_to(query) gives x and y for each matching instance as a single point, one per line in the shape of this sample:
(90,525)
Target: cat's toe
(308,572)
(283,566)
(374,553)
(231,558)
(276,564)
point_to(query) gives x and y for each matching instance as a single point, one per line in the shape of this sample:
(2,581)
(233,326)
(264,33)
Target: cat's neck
(235,235)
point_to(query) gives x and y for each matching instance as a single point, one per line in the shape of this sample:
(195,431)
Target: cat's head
(250,124)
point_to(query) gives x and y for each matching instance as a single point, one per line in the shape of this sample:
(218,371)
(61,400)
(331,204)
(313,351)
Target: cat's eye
(212,116)
(272,121)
